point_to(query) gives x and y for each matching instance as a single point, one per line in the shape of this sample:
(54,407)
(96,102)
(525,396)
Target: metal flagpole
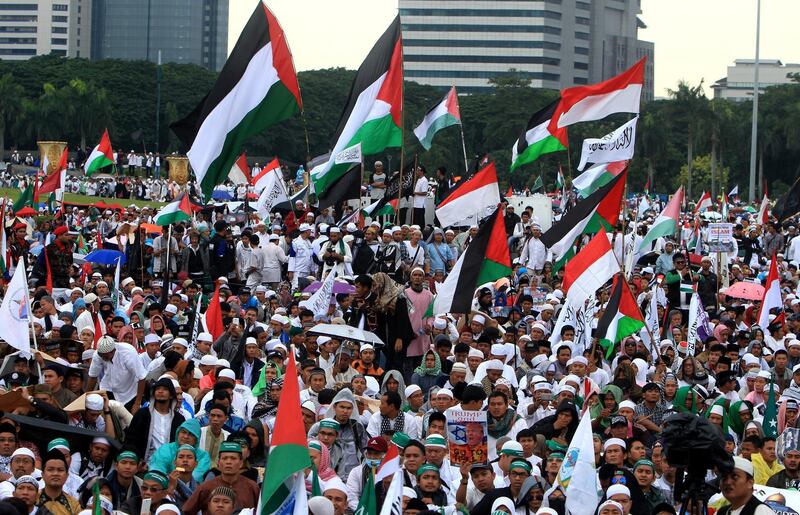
(167,279)
(464,148)
(751,194)
(21,263)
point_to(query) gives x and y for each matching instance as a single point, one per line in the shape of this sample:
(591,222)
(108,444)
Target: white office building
(554,43)
(39,27)
(739,83)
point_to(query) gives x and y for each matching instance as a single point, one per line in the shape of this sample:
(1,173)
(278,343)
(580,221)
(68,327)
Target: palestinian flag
(772,298)
(600,210)
(288,453)
(596,177)
(381,207)
(372,113)
(256,88)
(620,94)
(485,259)
(174,212)
(537,140)
(472,196)
(442,115)
(102,155)
(725,207)
(560,182)
(240,172)
(704,202)
(621,317)
(667,222)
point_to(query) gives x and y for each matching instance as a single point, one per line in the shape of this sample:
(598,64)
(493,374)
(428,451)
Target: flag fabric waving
(472,196)
(667,222)
(620,94)
(788,204)
(590,269)
(213,320)
(444,114)
(772,294)
(621,318)
(372,113)
(537,139)
(704,202)
(368,502)
(288,449)
(770,422)
(240,172)
(734,192)
(763,211)
(597,176)
(173,212)
(26,198)
(598,210)
(577,476)
(486,259)
(14,311)
(55,181)
(102,155)
(618,145)
(256,88)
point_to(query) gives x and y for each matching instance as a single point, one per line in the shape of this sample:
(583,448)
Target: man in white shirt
(389,419)
(302,263)
(534,252)
(334,253)
(122,372)
(420,196)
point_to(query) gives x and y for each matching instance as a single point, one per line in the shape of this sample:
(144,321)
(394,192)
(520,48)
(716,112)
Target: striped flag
(444,114)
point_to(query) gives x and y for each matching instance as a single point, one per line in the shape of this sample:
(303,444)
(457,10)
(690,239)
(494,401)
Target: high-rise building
(554,43)
(40,27)
(740,81)
(184,31)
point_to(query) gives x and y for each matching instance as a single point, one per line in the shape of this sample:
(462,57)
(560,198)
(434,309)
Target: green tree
(11,93)
(701,173)
(88,108)
(690,108)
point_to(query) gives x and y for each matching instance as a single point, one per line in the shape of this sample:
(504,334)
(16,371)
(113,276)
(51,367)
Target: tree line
(684,139)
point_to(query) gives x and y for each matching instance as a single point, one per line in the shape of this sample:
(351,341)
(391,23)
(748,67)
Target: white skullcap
(411,390)
(627,404)
(494,364)
(208,360)
(23,451)
(479,319)
(152,338)
(94,402)
(716,409)
(335,483)
(440,324)
(578,359)
(614,441)
(618,489)
(228,373)
(106,344)
(498,349)
(409,492)
(126,281)
(446,392)
(475,353)
(743,465)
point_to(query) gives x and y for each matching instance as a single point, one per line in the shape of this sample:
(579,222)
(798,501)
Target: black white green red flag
(537,139)
(372,114)
(256,88)
(621,317)
(444,114)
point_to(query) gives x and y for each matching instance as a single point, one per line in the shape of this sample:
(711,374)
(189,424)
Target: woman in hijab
(717,415)
(267,406)
(685,400)
(87,337)
(426,374)
(257,442)
(640,366)
(157,325)
(78,307)
(670,388)
(601,412)
(393,382)
(739,414)
(687,371)
(126,335)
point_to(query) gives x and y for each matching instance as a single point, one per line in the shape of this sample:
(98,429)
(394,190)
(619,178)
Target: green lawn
(13,194)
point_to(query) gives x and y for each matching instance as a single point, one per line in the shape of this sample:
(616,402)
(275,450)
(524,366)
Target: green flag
(96,509)
(770,423)
(537,185)
(316,489)
(368,503)
(25,199)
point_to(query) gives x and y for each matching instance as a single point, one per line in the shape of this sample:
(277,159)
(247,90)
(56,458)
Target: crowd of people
(179,419)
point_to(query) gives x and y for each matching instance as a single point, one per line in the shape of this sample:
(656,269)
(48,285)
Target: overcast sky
(694,39)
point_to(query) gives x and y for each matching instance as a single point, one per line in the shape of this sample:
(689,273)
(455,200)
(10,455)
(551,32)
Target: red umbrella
(743,290)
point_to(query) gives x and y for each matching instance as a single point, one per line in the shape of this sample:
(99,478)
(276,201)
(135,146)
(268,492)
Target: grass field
(14,194)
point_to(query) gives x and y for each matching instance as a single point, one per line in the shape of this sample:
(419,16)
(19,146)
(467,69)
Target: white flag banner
(393,503)
(578,474)
(14,312)
(586,319)
(321,300)
(694,320)
(616,146)
(272,194)
(567,316)
(644,205)
(349,155)
(652,324)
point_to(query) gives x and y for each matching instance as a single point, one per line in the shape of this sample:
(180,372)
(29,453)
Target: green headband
(427,467)
(557,455)
(187,447)
(230,447)
(127,455)
(58,442)
(644,463)
(520,464)
(315,445)
(329,423)
(158,477)
(401,439)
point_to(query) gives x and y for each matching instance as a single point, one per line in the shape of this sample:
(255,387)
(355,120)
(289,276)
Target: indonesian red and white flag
(473,196)
(772,294)
(763,211)
(263,179)
(389,465)
(590,269)
(240,172)
(703,203)
(620,94)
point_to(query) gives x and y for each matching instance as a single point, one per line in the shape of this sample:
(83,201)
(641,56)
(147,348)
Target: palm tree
(653,138)
(690,108)
(11,93)
(89,107)
(720,115)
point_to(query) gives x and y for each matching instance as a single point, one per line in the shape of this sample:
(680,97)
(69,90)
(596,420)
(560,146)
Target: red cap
(377,443)
(21,225)
(61,229)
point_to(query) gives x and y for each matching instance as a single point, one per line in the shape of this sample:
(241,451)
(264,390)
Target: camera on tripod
(693,445)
